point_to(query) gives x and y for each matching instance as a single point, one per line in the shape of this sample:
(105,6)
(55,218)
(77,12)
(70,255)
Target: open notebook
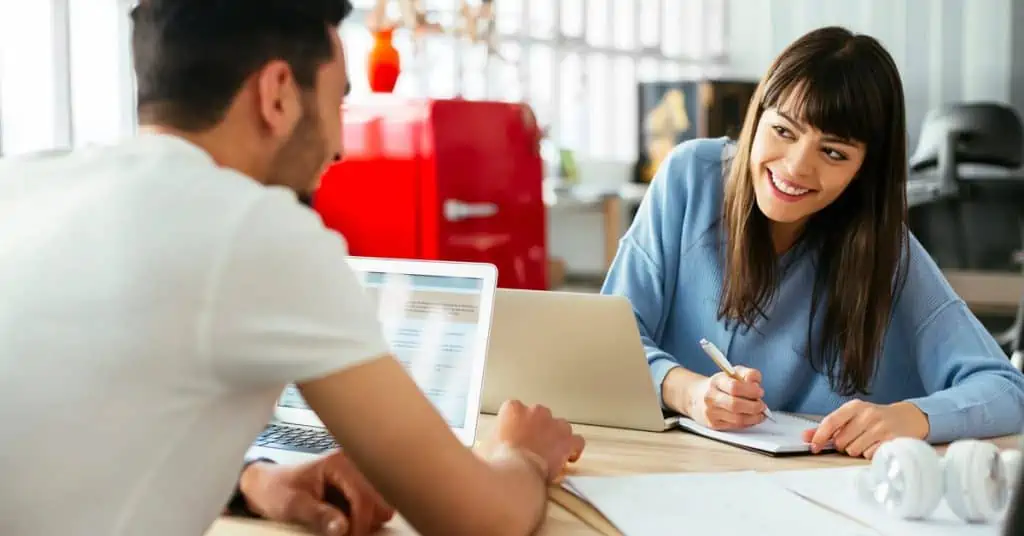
(780,438)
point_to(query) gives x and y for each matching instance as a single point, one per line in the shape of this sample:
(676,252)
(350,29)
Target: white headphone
(908,478)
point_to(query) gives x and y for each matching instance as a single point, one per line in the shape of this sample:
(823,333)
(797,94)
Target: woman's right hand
(723,403)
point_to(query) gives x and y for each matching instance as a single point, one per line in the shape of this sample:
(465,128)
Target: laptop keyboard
(312,440)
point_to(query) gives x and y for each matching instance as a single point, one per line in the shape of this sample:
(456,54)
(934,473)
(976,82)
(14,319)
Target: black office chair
(990,135)
(968,133)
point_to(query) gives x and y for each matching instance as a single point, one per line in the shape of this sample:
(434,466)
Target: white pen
(718,357)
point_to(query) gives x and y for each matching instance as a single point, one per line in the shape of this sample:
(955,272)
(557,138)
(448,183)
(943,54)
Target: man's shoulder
(279,241)
(183,183)
(274,218)
(152,167)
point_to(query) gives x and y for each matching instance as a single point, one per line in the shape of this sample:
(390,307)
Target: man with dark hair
(191,60)
(160,293)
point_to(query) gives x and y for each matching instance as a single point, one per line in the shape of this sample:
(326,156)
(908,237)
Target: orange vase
(384,65)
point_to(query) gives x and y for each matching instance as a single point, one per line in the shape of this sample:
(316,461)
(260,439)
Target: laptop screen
(432,324)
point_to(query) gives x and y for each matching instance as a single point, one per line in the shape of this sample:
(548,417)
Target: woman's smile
(786,189)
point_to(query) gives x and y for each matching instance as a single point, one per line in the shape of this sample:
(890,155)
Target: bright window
(572,117)
(572,17)
(577,62)
(599,21)
(102,88)
(28,78)
(66,77)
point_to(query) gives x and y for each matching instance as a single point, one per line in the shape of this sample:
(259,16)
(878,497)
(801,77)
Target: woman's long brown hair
(847,85)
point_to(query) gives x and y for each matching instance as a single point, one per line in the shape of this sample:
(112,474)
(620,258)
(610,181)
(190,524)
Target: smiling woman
(789,250)
(830,112)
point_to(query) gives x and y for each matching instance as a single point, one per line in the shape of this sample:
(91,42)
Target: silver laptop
(579,354)
(436,317)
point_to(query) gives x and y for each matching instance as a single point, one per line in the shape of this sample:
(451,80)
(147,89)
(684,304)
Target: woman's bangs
(830,100)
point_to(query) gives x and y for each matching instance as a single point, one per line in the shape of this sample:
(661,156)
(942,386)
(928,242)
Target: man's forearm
(524,477)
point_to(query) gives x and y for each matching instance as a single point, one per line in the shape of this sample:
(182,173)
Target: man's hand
(534,429)
(858,428)
(296,494)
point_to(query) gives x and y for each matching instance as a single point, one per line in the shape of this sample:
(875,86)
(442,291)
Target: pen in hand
(723,364)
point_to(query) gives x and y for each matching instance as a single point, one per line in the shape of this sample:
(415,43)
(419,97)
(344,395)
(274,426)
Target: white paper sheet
(708,503)
(784,436)
(837,489)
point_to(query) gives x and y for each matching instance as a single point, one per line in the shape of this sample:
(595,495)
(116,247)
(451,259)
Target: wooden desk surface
(613,451)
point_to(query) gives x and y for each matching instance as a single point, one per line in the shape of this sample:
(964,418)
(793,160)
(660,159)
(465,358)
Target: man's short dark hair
(192,56)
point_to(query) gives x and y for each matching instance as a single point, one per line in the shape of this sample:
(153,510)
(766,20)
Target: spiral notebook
(781,438)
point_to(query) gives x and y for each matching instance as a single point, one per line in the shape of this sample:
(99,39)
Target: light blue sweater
(936,353)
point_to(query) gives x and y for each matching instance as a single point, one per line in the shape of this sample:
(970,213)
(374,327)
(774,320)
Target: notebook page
(837,489)
(708,503)
(784,436)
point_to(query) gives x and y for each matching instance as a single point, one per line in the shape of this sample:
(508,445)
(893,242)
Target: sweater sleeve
(974,391)
(648,251)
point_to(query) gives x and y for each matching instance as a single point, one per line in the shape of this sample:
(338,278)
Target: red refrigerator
(441,179)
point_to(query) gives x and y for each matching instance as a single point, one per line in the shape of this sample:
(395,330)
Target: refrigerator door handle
(455,210)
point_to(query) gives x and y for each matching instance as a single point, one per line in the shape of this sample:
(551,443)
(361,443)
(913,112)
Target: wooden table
(613,451)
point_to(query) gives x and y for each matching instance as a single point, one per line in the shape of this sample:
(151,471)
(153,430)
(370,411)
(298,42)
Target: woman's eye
(835,155)
(782,131)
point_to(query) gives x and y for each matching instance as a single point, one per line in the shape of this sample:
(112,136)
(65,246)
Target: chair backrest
(982,133)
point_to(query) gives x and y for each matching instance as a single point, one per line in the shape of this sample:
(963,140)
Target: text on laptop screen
(430,322)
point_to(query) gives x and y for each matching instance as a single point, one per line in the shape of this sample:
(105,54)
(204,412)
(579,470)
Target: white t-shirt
(152,308)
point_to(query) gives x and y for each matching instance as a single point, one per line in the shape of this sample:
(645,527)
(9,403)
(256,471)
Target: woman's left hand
(858,428)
